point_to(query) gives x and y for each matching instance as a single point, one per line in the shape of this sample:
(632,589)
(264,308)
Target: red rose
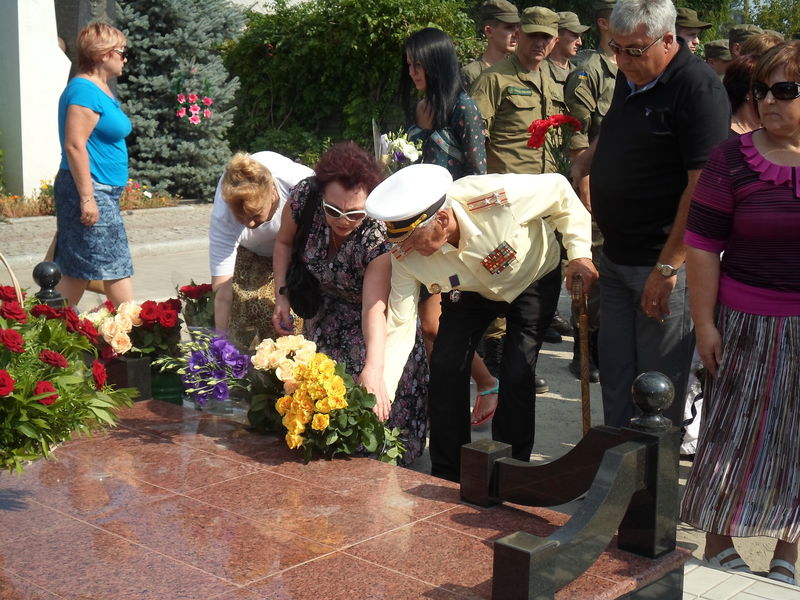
(7,293)
(100,375)
(53,358)
(87,328)
(172,304)
(110,306)
(44,387)
(6,383)
(71,318)
(12,340)
(149,313)
(167,318)
(10,309)
(43,310)
(190,291)
(107,354)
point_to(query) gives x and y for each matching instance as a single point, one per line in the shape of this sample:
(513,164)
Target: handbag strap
(307,215)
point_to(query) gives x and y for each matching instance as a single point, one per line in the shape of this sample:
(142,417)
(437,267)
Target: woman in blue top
(91,241)
(451,129)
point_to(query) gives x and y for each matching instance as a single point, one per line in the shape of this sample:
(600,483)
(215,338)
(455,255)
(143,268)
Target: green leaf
(369,440)
(28,431)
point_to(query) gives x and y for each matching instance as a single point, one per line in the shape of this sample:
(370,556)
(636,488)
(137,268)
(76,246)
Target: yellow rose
(120,343)
(293,423)
(338,388)
(282,405)
(293,441)
(338,402)
(320,422)
(322,406)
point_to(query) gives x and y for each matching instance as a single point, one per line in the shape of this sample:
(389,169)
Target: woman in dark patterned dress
(348,254)
(450,127)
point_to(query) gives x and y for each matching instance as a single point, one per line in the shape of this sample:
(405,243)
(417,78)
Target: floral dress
(336,329)
(461,146)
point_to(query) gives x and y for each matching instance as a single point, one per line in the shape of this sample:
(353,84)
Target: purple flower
(241,366)
(218,374)
(197,360)
(220,391)
(399,157)
(223,350)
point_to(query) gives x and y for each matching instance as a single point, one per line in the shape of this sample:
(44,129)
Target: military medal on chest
(455,294)
(499,258)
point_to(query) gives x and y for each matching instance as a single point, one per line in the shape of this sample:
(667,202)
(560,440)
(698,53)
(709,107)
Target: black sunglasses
(783,90)
(123,54)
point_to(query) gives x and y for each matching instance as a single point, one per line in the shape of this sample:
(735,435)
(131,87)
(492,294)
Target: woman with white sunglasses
(347,252)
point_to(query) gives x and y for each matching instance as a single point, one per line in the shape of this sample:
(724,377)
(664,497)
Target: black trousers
(460,329)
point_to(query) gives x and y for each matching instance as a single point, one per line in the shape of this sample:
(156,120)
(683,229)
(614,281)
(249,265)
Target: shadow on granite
(179,504)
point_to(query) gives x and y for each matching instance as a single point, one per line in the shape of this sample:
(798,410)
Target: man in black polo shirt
(668,111)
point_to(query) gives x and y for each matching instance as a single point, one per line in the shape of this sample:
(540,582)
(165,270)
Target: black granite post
(47,275)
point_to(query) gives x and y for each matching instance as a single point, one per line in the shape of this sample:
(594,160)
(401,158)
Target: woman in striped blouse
(746,309)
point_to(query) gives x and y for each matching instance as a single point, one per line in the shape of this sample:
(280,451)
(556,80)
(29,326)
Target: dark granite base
(182,505)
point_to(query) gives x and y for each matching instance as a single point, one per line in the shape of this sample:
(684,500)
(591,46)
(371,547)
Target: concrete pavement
(170,247)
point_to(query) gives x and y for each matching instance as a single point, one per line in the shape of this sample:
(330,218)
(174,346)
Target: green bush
(325,69)
(175,48)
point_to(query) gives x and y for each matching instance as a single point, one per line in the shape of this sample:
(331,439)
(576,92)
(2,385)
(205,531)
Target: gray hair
(448,202)
(658,16)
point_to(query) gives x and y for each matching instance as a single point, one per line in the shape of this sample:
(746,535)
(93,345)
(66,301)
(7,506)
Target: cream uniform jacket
(506,242)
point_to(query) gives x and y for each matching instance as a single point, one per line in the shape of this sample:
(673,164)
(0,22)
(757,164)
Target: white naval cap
(409,197)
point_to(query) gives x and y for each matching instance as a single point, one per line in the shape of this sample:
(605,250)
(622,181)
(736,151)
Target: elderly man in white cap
(485,242)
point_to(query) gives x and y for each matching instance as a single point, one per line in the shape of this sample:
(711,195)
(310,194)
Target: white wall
(33,72)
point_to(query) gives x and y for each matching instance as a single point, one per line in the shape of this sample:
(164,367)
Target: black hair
(434,50)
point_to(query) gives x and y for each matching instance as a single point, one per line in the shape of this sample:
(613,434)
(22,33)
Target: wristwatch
(666,270)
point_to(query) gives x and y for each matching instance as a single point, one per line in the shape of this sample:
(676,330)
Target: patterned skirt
(253,300)
(746,476)
(97,252)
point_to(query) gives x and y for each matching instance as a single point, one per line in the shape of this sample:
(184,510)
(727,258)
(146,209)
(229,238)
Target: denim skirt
(97,252)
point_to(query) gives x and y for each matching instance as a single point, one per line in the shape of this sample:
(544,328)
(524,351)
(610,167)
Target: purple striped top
(749,208)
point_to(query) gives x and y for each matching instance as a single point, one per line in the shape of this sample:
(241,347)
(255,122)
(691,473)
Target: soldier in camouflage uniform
(499,22)
(588,94)
(559,64)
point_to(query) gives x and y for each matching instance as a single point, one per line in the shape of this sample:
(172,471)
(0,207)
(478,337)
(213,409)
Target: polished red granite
(177,504)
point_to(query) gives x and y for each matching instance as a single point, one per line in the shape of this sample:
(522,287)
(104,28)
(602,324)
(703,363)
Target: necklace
(333,248)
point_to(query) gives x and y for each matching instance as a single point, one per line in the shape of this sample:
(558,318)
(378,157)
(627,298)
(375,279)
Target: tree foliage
(327,68)
(174,47)
(778,15)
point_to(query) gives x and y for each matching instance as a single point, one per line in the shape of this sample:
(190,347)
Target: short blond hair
(94,41)
(246,186)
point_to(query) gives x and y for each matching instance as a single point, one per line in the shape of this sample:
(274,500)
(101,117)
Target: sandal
(734,564)
(476,408)
(774,575)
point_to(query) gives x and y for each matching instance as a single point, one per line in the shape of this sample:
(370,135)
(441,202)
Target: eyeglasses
(632,50)
(354,216)
(123,54)
(783,90)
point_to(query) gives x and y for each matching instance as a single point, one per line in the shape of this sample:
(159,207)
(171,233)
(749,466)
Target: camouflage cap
(740,33)
(599,5)
(499,10)
(569,21)
(717,49)
(538,19)
(688,19)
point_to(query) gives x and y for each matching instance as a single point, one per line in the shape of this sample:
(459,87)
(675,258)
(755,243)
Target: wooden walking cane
(580,308)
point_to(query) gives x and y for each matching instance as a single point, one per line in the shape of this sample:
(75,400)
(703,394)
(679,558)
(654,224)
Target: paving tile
(703,579)
(150,412)
(81,487)
(494,523)
(226,545)
(340,577)
(157,461)
(773,591)
(727,588)
(314,512)
(14,587)
(21,516)
(84,561)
